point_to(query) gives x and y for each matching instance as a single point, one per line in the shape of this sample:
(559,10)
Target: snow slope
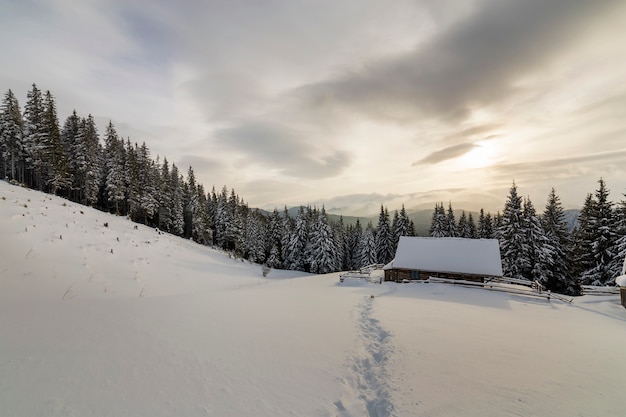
(122,321)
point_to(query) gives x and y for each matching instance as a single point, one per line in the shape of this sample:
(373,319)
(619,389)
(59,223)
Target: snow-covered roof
(621,280)
(448,254)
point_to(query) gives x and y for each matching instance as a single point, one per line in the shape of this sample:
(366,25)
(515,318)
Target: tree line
(115,175)
(540,248)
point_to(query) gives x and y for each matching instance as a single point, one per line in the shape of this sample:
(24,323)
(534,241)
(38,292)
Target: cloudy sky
(349,103)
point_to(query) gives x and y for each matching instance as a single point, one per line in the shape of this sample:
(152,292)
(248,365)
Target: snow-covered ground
(123,321)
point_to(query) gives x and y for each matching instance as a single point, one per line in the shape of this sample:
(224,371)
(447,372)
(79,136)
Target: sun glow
(483,154)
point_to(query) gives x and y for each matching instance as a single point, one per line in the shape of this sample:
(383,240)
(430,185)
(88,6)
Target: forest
(115,175)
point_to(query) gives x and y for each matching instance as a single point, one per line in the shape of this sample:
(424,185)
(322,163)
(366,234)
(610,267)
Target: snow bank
(110,320)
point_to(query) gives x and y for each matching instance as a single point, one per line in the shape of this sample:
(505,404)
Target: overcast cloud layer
(349,104)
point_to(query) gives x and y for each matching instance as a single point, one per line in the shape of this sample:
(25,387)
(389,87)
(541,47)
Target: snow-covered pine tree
(33,138)
(462,229)
(323,250)
(234,228)
(354,234)
(485,226)
(620,243)
(274,240)
(472,232)
(55,159)
(384,238)
(288,225)
(411,231)
(201,220)
(132,181)
(401,228)
(147,181)
(177,211)
(91,172)
(296,258)
(555,228)
(438,224)
(538,250)
(115,163)
(11,139)
(512,237)
(581,238)
(603,239)
(164,197)
(254,237)
(339,237)
(367,247)
(450,222)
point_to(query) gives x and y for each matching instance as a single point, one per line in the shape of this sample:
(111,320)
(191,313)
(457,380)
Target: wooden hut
(418,258)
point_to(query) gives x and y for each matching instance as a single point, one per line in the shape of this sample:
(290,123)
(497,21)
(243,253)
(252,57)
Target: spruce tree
(115,162)
(462,229)
(553,222)
(54,155)
(537,249)
(438,225)
(11,139)
(603,239)
(450,222)
(323,251)
(34,138)
(472,232)
(384,238)
(367,247)
(296,259)
(512,237)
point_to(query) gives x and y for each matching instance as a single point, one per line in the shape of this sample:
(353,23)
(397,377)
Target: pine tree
(34,138)
(439,225)
(553,221)
(450,222)
(254,237)
(55,159)
(462,229)
(603,239)
(352,245)
(367,247)
(512,237)
(618,263)
(384,238)
(177,211)
(472,232)
(323,258)
(339,238)
(537,249)
(582,258)
(11,139)
(485,226)
(296,259)
(115,161)
(275,240)
(288,225)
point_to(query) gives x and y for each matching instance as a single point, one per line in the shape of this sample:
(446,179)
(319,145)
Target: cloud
(447,153)
(593,165)
(473,63)
(283,148)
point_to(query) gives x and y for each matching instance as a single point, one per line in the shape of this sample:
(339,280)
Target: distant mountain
(571,218)
(421,218)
